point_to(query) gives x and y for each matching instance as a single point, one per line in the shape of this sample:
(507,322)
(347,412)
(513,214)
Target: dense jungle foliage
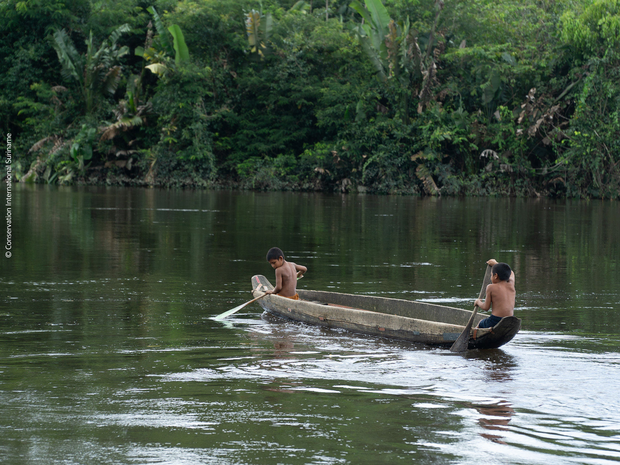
(453,97)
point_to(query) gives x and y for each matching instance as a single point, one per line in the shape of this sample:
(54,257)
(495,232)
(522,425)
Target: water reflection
(108,354)
(283,348)
(498,367)
(495,417)
(498,364)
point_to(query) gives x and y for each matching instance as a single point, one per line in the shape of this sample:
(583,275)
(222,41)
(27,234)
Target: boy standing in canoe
(286,274)
(500,294)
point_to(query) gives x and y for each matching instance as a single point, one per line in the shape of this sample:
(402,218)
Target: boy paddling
(286,274)
(500,294)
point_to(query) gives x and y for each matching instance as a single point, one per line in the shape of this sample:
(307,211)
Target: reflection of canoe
(402,319)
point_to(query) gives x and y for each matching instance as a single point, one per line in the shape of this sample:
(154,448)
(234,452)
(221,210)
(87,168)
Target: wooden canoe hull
(403,319)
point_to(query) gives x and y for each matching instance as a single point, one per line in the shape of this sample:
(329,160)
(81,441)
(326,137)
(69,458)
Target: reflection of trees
(217,240)
(125,246)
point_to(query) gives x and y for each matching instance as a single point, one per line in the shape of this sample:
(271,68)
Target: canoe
(396,318)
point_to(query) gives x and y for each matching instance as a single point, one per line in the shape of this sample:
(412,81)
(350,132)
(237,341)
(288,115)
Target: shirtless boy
(500,294)
(286,274)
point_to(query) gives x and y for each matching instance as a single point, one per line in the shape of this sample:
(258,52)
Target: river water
(108,353)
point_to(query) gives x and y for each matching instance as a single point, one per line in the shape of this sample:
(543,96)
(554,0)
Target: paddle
(236,309)
(461,343)
(221,316)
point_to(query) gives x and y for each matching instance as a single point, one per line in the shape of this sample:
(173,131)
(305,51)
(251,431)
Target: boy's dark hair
(503,271)
(274,253)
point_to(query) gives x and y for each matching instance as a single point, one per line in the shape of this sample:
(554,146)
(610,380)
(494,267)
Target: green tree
(588,162)
(396,52)
(182,100)
(97,73)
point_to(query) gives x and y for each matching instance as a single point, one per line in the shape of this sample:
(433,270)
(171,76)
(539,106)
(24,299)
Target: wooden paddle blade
(461,343)
(221,316)
(229,312)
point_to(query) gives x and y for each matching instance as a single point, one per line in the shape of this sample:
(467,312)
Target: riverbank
(498,183)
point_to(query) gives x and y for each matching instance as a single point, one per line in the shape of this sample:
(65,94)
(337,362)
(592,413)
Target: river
(108,353)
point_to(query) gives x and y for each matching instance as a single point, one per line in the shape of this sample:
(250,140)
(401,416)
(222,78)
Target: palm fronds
(97,72)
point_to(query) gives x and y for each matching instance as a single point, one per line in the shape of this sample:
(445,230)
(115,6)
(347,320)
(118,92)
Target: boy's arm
(300,270)
(486,304)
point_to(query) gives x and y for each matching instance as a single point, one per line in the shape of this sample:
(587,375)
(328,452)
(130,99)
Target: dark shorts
(490,321)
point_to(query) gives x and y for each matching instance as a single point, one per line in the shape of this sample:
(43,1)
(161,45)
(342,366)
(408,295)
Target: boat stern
(492,338)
